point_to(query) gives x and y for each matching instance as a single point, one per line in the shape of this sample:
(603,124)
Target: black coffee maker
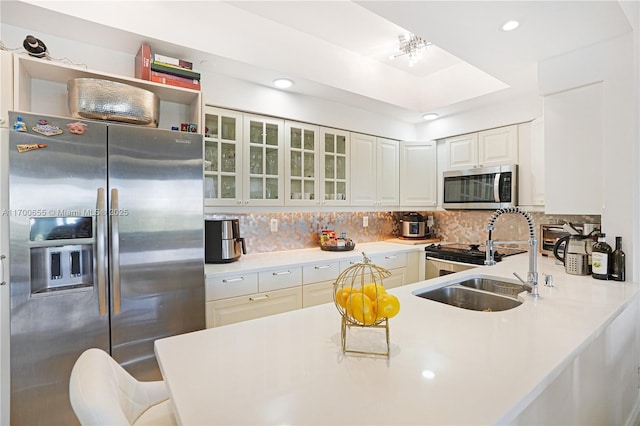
(222,241)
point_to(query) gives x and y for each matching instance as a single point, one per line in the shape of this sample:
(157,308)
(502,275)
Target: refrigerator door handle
(115,251)
(101,225)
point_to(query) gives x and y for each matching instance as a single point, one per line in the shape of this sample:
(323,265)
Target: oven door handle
(496,188)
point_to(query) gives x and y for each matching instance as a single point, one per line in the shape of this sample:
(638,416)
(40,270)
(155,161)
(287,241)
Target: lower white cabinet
(317,282)
(243,308)
(243,296)
(436,268)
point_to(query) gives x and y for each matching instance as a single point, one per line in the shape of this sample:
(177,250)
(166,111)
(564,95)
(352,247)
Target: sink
(467,298)
(493,285)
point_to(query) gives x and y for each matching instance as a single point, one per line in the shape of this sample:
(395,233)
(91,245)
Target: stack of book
(165,69)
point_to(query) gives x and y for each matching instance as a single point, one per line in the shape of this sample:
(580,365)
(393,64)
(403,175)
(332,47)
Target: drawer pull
(391,257)
(233,280)
(323,267)
(259,298)
(281,273)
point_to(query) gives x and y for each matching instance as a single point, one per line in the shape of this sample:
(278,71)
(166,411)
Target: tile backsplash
(302,230)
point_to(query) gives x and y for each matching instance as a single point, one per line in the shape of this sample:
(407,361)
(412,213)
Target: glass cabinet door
(334,167)
(222,157)
(301,164)
(263,160)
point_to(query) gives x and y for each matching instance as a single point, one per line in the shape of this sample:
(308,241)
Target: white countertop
(447,365)
(278,259)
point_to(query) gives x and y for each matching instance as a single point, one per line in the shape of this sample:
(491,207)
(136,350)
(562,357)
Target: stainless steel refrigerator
(106,250)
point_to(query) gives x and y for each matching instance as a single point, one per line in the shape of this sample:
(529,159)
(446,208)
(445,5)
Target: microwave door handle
(496,188)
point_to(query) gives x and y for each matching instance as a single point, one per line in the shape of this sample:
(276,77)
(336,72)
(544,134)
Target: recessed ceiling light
(510,25)
(282,83)
(430,116)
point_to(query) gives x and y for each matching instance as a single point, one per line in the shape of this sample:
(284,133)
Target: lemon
(360,308)
(373,290)
(387,306)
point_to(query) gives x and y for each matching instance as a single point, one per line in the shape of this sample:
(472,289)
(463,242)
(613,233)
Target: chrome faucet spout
(532,275)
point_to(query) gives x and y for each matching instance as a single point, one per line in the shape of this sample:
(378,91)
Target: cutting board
(413,241)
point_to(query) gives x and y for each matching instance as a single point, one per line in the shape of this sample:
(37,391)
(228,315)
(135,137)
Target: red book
(175,80)
(143,62)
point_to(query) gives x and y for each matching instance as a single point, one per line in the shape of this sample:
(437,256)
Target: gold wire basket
(353,292)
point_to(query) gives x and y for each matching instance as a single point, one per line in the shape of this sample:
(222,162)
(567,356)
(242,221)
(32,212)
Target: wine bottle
(617,262)
(600,258)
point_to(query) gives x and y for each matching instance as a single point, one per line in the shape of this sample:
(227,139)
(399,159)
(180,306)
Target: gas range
(467,253)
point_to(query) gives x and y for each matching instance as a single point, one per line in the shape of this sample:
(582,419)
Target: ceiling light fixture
(510,25)
(282,83)
(411,45)
(430,116)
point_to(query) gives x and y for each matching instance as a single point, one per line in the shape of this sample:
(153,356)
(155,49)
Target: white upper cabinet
(573,138)
(301,164)
(418,174)
(462,151)
(222,157)
(483,149)
(531,167)
(498,146)
(263,152)
(334,167)
(374,171)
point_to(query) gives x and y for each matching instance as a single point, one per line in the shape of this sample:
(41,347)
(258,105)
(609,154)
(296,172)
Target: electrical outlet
(274,225)
(365,221)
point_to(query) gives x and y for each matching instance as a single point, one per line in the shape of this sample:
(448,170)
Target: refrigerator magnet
(30,146)
(44,128)
(77,128)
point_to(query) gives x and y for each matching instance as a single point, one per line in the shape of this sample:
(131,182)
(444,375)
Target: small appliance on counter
(223,243)
(413,225)
(574,250)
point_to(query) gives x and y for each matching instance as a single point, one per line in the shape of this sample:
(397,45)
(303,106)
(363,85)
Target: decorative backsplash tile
(302,230)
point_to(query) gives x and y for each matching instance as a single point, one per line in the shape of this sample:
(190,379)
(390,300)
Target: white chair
(104,393)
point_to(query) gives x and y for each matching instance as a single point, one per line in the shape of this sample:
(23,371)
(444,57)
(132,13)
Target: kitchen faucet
(532,276)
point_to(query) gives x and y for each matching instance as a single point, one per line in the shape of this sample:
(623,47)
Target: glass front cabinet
(301,164)
(222,157)
(334,167)
(263,160)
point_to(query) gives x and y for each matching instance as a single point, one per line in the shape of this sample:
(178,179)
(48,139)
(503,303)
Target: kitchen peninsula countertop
(276,259)
(447,365)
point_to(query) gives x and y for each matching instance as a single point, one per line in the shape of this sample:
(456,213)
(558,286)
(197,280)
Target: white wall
(525,107)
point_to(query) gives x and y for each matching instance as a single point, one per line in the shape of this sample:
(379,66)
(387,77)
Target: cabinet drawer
(390,260)
(243,308)
(326,271)
(398,278)
(317,293)
(230,286)
(279,278)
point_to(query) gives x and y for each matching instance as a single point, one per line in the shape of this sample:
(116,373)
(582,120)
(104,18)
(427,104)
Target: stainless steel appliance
(106,251)
(481,188)
(223,243)
(413,225)
(549,235)
(455,257)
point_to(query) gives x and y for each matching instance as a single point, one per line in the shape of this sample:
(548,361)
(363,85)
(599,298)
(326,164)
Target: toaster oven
(549,234)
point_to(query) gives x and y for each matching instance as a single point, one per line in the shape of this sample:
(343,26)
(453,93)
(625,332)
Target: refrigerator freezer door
(156,203)
(54,305)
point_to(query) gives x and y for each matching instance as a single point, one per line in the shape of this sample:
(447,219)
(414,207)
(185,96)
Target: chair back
(104,393)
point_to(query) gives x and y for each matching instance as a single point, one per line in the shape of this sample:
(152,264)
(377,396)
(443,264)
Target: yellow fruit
(343,294)
(387,306)
(373,290)
(360,308)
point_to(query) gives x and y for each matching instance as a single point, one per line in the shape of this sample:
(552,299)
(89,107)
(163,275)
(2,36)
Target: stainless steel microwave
(481,188)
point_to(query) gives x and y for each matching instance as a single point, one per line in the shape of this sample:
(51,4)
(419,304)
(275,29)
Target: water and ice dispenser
(61,253)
